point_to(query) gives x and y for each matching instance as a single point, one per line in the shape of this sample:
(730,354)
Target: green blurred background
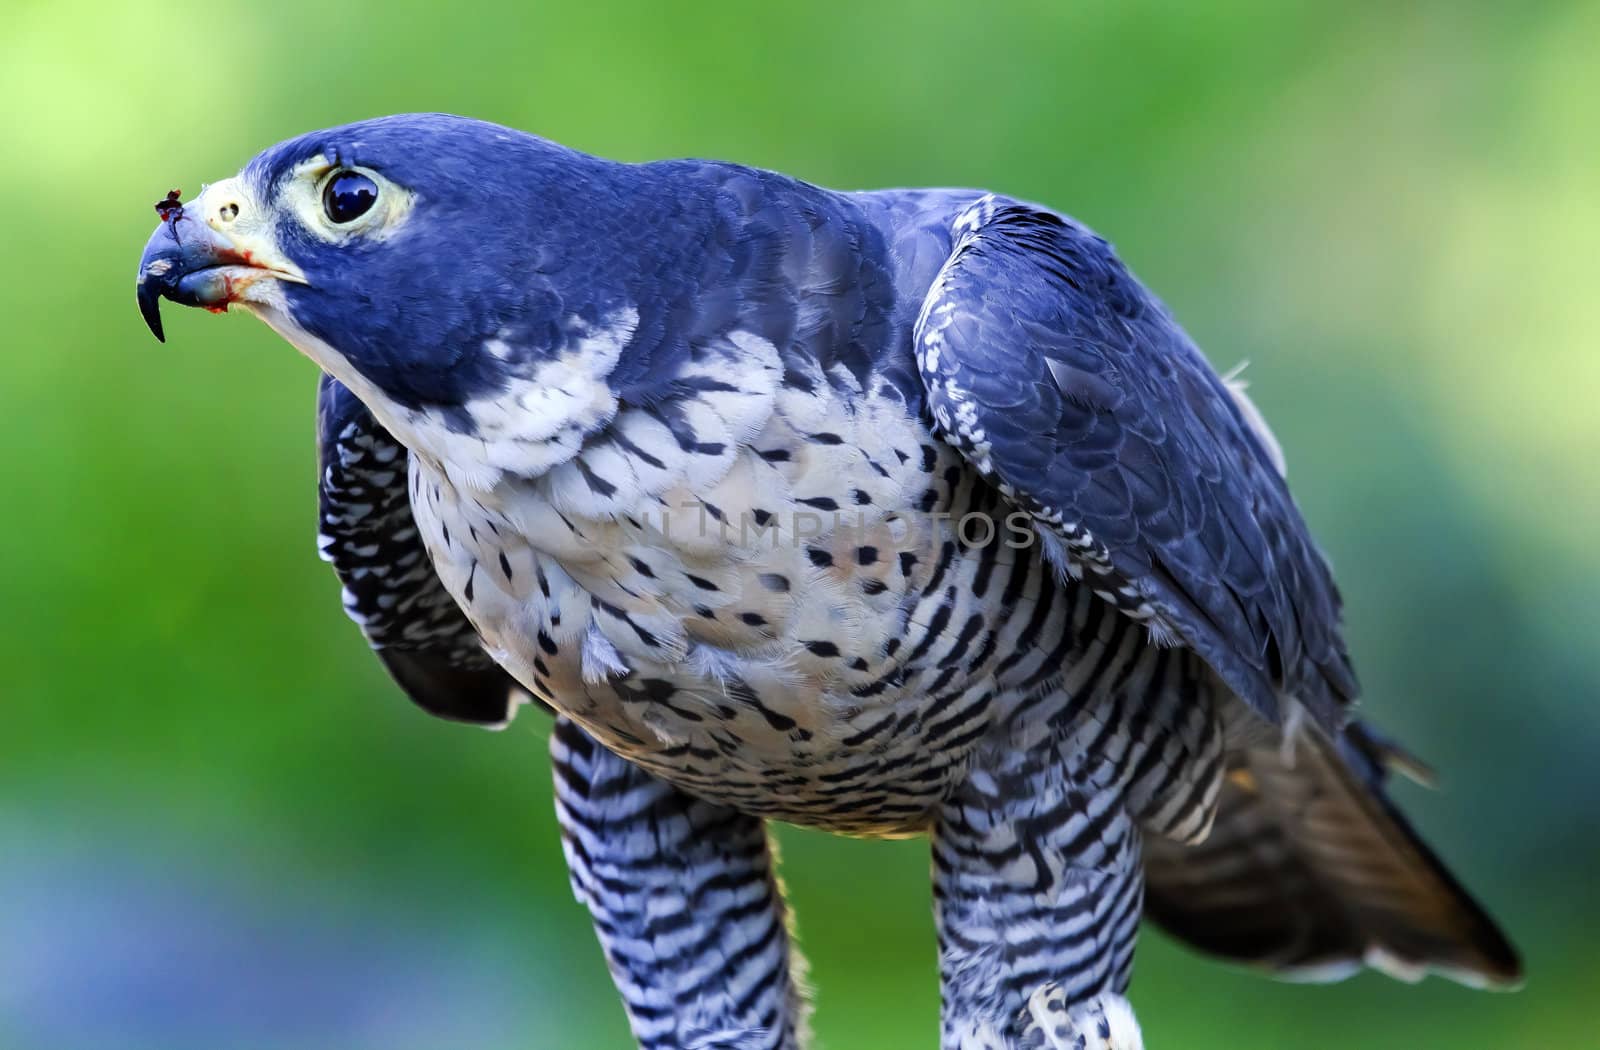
(222,827)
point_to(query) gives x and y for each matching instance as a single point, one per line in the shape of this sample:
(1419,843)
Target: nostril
(228,212)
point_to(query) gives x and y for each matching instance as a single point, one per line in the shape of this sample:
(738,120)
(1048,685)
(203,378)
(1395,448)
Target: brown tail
(1310,872)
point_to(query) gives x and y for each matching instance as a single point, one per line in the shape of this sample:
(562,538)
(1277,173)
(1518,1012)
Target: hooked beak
(195,259)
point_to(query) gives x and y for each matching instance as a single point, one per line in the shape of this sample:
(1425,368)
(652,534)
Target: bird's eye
(348,196)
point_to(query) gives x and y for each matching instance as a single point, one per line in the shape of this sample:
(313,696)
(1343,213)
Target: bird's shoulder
(1069,385)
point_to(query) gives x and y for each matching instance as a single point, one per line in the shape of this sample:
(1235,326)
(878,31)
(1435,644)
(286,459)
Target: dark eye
(348,196)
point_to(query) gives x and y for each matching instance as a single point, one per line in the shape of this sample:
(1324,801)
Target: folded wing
(365,530)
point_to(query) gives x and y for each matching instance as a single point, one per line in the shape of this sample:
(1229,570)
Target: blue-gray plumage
(1076,394)
(887,513)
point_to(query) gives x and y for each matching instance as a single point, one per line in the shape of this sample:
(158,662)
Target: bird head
(424,260)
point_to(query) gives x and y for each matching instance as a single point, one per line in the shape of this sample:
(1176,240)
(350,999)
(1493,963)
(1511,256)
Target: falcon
(888,513)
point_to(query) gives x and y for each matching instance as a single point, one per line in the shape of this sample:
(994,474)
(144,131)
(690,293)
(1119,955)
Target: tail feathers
(1311,872)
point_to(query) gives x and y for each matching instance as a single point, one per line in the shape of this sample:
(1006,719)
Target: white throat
(522,431)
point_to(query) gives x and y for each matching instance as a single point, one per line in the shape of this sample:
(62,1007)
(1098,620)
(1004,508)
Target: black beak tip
(150,310)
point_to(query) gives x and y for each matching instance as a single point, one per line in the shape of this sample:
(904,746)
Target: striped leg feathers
(685,902)
(1037,890)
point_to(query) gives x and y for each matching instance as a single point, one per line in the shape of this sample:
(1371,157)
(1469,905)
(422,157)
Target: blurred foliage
(222,827)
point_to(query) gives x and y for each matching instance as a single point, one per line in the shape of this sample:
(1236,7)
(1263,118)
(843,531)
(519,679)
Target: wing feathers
(1067,383)
(390,588)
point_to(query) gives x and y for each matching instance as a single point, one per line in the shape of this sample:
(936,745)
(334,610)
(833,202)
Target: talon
(1105,1022)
